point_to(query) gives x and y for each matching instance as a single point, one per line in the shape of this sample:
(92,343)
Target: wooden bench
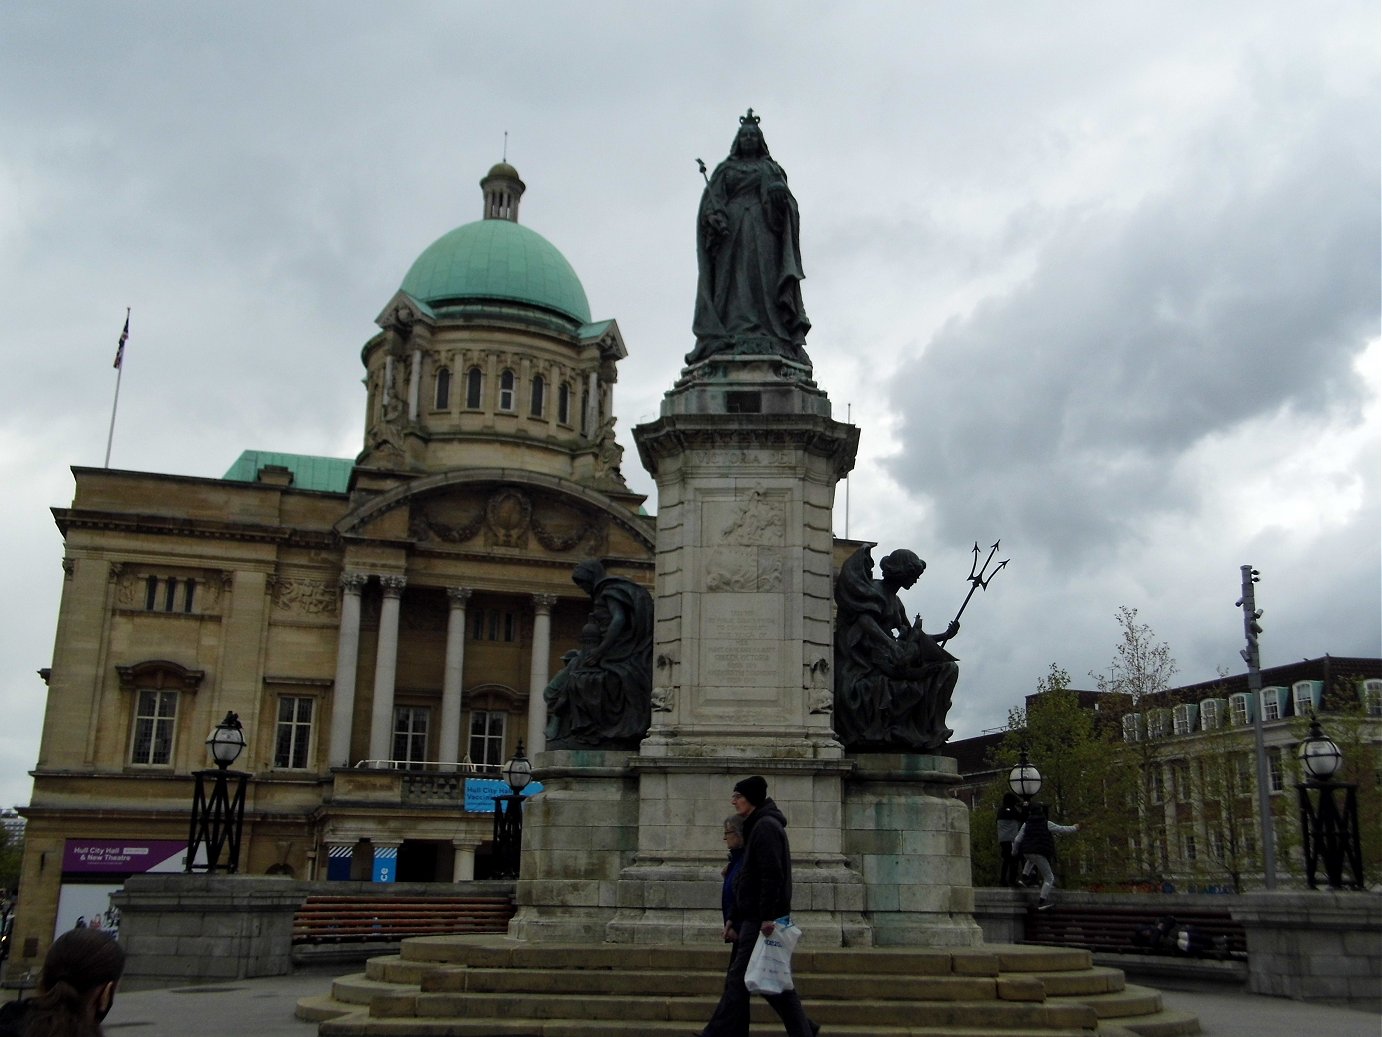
(385,918)
(1112,929)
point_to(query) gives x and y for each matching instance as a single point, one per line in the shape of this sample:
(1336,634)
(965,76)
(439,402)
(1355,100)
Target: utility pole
(1251,628)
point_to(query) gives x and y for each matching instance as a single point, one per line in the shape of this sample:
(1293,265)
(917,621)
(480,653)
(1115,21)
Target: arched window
(539,400)
(443,394)
(474,383)
(564,404)
(506,391)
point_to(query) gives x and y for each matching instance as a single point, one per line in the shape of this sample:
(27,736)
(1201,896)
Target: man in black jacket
(762,894)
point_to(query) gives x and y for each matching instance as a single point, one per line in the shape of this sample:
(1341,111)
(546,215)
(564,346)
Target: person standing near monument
(1036,843)
(734,842)
(1010,818)
(762,894)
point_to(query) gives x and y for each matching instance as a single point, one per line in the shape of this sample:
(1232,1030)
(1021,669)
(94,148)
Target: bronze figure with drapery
(893,681)
(748,249)
(602,698)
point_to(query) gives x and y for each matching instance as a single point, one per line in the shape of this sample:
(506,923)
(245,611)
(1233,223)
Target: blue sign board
(385,863)
(480,793)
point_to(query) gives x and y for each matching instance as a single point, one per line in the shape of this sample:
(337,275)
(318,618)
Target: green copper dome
(501,260)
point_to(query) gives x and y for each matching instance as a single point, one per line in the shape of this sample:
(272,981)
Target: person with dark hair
(1036,842)
(734,842)
(75,989)
(762,895)
(1010,818)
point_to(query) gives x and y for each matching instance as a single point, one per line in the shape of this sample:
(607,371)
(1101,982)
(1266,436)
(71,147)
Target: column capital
(393,584)
(544,602)
(458,596)
(351,581)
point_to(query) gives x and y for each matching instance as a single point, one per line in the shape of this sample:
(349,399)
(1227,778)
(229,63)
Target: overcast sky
(1098,279)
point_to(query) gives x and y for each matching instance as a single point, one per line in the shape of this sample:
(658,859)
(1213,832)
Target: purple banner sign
(123,855)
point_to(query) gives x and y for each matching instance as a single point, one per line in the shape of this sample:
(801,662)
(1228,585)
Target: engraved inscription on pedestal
(741,643)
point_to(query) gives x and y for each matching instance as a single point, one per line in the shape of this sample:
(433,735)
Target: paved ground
(264,1008)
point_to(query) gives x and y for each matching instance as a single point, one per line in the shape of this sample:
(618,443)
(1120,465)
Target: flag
(120,348)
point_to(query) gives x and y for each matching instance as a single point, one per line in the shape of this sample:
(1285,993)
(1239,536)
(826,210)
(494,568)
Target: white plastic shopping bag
(770,964)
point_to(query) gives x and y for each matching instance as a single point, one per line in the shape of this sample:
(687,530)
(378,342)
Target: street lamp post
(508,816)
(217,819)
(1330,828)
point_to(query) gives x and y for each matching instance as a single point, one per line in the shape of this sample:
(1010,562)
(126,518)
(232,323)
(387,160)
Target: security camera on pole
(1251,628)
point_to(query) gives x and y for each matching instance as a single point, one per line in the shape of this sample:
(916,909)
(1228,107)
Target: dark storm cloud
(1062,407)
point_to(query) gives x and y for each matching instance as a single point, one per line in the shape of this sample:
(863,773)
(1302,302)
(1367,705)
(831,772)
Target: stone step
(996,1016)
(1166,1023)
(1098,979)
(360,1025)
(1132,1000)
(493,987)
(359,989)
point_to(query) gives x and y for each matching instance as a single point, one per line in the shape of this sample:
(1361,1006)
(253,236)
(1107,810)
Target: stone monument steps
(487,987)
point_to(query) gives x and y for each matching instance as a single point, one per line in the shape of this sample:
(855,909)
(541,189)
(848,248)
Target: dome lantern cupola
(502,190)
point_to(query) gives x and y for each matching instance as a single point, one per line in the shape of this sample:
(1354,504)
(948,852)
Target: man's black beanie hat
(754,789)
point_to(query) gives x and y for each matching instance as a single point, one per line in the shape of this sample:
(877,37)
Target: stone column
(385,666)
(538,672)
(347,661)
(463,870)
(592,404)
(448,751)
(414,385)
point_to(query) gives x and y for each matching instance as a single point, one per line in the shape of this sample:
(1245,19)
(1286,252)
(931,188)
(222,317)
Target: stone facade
(384,635)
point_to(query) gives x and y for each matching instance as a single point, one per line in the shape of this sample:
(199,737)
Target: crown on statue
(749,119)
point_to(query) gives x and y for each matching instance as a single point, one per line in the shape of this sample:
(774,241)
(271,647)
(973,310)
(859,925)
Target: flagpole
(119,372)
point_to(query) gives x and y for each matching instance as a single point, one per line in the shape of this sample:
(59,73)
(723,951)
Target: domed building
(383,627)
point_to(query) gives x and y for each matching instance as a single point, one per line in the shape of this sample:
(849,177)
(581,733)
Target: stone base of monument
(909,839)
(621,848)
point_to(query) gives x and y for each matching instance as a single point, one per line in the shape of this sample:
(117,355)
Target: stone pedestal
(185,928)
(910,841)
(578,836)
(627,848)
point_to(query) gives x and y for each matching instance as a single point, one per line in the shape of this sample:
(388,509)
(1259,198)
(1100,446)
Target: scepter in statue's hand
(979,578)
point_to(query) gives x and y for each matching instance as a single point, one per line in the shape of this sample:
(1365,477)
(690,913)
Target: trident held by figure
(979,579)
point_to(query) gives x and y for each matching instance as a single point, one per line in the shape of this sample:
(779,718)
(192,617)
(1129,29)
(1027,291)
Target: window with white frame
(487,736)
(1132,727)
(1189,851)
(410,734)
(1371,693)
(1276,770)
(1272,703)
(1212,714)
(1180,780)
(293,735)
(1183,718)
(1242,773)
(1307,697)
(155,723)
(506,391)
(1157,783)
(1158,723)
(1240,709)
